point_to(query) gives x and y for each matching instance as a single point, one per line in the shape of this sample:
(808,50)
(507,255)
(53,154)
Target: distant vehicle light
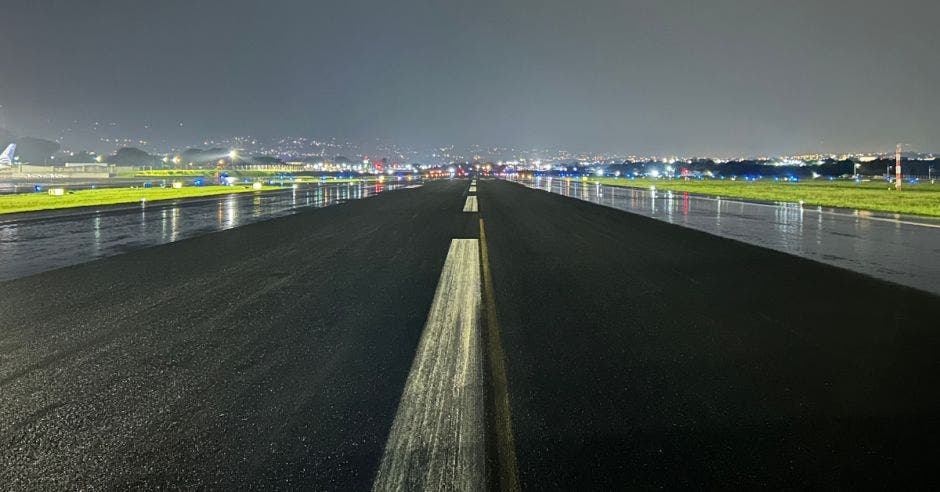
(256,186)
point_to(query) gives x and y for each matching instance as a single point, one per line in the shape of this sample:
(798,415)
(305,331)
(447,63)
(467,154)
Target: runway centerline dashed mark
(437,438)
(471,204)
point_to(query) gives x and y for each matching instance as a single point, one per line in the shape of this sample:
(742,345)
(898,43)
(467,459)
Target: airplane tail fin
(6,157)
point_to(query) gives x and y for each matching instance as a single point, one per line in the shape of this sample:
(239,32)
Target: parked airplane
(6,158)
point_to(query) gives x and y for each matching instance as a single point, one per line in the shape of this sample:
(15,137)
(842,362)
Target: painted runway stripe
(473,189)
(437,439)
(471,204)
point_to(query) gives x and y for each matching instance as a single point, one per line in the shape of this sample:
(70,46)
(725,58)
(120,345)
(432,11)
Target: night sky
(726,77)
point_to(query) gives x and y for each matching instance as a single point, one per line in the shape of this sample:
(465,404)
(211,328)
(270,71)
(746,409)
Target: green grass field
(917,199)
(299,176)
(28,202)
(315,179)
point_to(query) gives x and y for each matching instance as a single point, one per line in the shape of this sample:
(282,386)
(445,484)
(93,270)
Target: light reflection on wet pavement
(30,245)
(898,248)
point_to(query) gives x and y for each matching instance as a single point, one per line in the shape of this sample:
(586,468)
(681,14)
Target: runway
(423,339)
(40,241)
(893,247)
(272,354)
(645,354)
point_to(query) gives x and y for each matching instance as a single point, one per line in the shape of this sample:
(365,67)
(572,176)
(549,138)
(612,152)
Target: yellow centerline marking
(507,469)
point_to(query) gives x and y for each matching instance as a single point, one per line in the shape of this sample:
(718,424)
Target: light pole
(897,168)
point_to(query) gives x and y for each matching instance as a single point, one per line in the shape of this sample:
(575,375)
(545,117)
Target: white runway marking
(471,204)
(473,189)
(436,441)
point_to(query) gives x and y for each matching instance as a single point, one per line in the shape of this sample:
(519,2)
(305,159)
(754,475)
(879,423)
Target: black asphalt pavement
(642,354)
(270,355)
(638,354)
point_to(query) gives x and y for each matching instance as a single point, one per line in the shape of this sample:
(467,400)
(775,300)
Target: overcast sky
(682,77)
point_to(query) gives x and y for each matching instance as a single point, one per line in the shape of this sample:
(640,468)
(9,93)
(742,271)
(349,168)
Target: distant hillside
(35,150)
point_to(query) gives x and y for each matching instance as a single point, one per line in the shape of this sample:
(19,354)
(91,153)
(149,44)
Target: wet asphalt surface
(36,242)
(639,354)
(894,247)
(270,355)
(642,354)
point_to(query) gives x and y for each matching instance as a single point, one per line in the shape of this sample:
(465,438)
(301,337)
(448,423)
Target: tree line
(828,168)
